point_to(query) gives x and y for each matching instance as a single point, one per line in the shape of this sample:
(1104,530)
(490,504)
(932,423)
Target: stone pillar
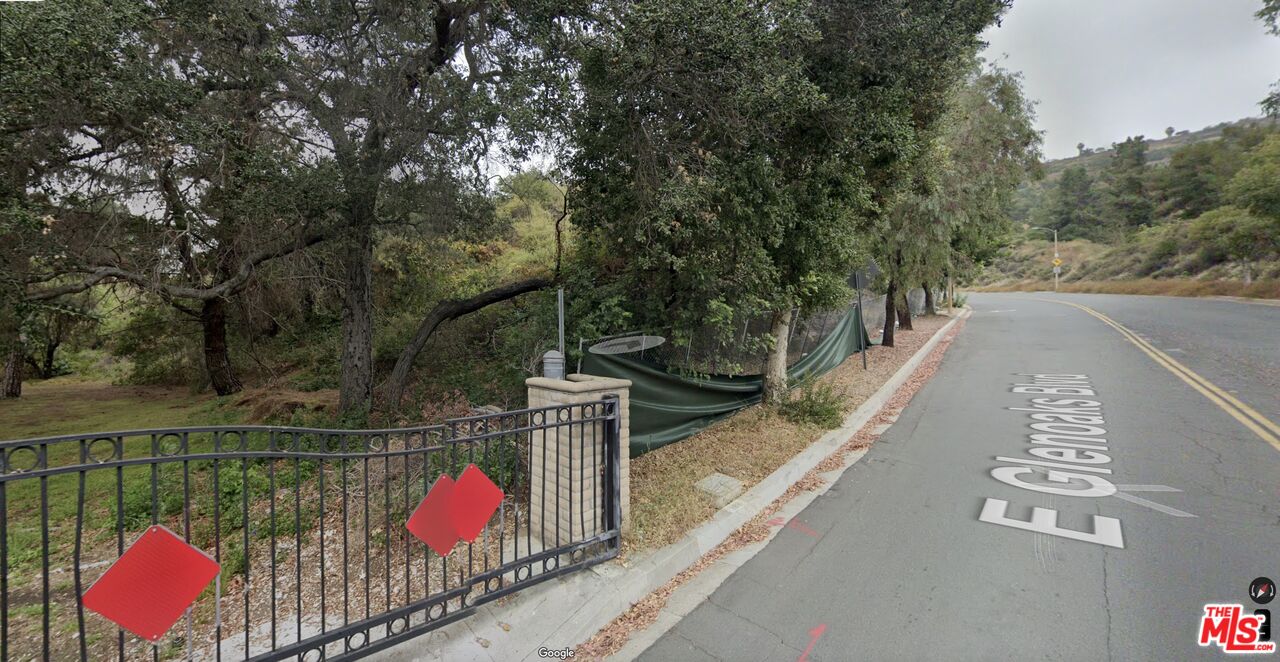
(572,453)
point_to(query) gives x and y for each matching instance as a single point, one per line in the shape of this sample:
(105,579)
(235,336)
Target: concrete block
(722,488)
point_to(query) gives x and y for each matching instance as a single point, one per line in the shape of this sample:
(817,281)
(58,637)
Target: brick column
(572,453)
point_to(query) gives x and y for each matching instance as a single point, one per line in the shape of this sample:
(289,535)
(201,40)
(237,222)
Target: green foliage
(1073,206)
(680,198)
(1237,234)
(160,345)
(1205,203)
(751,178)
(958,217)
(1192,183)
(1256,186)
(1125,200)
(137,497)
(814,403)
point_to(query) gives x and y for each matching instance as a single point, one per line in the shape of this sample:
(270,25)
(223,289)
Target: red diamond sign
(455,510)
(475,498)
(430,520)
(149,587)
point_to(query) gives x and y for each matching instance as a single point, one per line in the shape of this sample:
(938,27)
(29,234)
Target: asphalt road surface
(929,548)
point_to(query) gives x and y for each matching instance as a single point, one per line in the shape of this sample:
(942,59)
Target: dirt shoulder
(857,386)
(748,446)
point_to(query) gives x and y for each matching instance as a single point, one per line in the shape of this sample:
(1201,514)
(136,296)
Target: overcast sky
(1102,70)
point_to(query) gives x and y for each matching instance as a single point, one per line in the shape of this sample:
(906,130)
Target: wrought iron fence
(307,525)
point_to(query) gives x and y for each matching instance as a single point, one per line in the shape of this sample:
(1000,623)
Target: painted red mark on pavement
(794,524)
(149,587)
(814,634)
(800,526)
(454,511)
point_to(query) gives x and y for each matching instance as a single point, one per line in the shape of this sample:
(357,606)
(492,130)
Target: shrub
(137,500)
(814,403)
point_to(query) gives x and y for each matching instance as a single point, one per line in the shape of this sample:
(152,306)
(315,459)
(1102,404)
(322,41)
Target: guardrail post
(578,451)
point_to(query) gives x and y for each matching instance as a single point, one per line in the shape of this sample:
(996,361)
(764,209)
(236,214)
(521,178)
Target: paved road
(897,564)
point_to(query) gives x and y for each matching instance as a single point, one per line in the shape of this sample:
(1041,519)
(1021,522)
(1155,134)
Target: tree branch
(442,312)
(236,281)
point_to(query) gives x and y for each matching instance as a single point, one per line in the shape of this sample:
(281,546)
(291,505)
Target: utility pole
(1057,262)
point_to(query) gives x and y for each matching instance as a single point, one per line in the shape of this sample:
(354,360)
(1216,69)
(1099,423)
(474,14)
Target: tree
(1072,205)
(677,166)
(1080,149)
(1192,182)
(1125,197)
(1248,228)
(1238,235)
(67,69)
(165,112)
(1254,187)
(993,147)
(959,216)
(1168,132)
(737,154)
(401,101)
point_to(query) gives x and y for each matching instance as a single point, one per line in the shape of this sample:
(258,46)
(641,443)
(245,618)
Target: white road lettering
(1106,530)
(1069,446)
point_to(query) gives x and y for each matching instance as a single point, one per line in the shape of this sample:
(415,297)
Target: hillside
(1159,150)
(1192,207)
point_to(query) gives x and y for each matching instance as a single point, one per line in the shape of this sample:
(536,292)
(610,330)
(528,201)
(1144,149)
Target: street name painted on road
(1069,445)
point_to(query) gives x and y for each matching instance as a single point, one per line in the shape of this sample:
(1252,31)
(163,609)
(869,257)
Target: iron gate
(307,525)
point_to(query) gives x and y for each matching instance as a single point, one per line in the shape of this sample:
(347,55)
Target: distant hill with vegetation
(1199,205)
(1159,150)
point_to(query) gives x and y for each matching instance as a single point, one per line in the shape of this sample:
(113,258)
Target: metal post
(613,451)
(862,323)
(1056,268)
(560,311)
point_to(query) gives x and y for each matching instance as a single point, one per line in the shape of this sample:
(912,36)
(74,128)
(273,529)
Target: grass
(66,405)
(1178,287)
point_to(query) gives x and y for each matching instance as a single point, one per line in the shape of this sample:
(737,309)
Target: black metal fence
(308,526)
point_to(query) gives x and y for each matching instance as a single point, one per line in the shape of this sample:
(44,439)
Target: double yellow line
(1248,416)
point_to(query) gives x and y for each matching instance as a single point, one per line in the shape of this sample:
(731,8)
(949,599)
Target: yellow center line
(1246,415)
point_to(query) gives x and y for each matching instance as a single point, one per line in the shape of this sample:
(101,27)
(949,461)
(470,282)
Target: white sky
(1102,70)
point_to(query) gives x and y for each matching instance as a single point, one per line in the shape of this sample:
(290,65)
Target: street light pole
(1055,254)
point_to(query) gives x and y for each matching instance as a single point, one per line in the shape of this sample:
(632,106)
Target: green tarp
(666,407)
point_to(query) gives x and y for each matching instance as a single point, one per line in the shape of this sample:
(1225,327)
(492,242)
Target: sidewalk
(562,613)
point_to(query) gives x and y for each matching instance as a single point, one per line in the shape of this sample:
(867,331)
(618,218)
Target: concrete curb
(564,612)
(688,596)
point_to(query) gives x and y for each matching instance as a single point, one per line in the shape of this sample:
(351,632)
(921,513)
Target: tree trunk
(217,357)
(11,382)
(890,314)
(355,390)
(904,311)
(444,311)
(929,308)
(1248,273)
(951,293)
(775,368)
(50,352)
